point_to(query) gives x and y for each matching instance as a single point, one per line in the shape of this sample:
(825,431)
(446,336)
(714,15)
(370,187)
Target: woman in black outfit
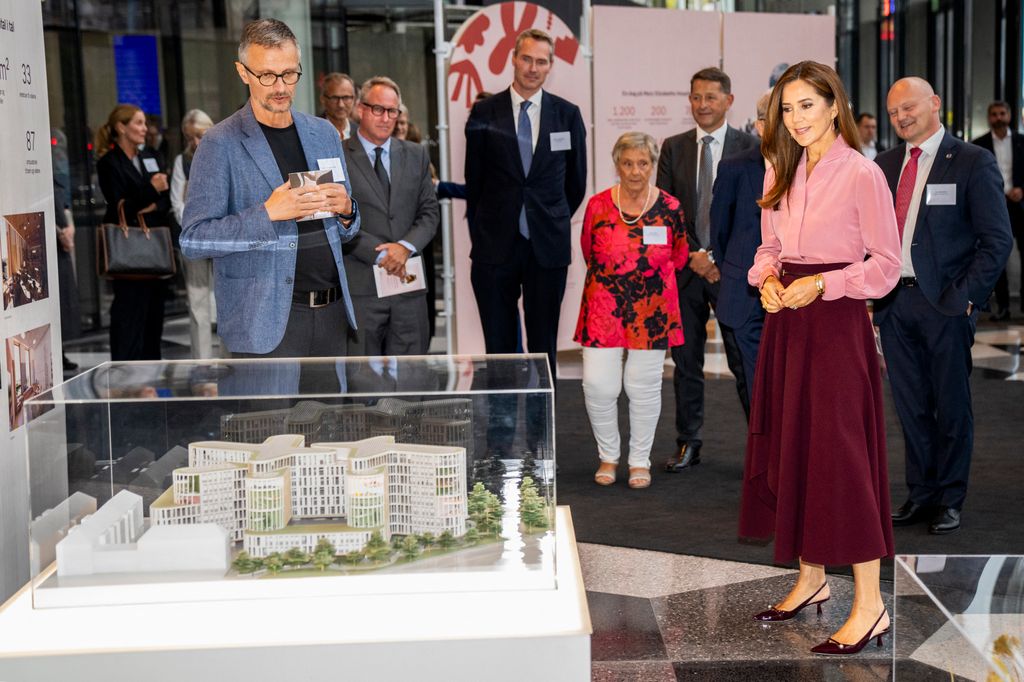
(137,313)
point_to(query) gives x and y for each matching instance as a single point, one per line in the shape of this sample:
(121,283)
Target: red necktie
(905,189)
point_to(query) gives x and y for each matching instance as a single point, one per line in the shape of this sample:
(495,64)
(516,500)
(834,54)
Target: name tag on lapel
(333,165)
(561,142)
(150,165)
(940,195)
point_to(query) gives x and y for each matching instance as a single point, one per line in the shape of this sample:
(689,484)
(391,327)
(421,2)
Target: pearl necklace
(618,204)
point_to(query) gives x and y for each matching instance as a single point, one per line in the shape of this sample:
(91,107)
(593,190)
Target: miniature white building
(115,540)
(280,494)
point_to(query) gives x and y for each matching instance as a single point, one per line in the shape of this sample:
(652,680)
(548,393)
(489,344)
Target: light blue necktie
(525,137)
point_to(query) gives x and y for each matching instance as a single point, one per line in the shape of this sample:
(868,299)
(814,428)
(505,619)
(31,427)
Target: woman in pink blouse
(634,241)
(816,471)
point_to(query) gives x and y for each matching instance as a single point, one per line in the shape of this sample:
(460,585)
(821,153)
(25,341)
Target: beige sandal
(639,477)
(605,473)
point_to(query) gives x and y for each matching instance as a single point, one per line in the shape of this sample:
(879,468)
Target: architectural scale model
(448,421)
(115,540)
(281,494)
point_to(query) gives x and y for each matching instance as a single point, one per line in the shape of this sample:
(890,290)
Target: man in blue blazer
(956,239)
(526,174)
(280,284)
(735,236)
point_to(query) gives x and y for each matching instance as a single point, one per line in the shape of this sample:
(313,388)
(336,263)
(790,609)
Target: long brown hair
(779,147)
(106,136)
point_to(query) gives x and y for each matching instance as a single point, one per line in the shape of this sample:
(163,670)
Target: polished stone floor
(663,616)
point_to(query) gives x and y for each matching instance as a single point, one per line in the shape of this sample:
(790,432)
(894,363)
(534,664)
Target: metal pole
(441,53)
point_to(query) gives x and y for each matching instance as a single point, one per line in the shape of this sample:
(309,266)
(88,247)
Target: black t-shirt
(315,268)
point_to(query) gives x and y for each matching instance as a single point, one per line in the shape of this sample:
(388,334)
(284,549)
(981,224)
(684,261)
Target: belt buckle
(312,300)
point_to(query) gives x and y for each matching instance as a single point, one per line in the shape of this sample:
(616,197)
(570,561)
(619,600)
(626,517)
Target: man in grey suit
(391,180)
(686,170)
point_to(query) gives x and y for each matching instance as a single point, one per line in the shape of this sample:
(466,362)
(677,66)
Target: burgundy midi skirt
(816,474)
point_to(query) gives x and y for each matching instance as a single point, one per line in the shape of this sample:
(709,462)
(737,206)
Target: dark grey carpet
(696,512)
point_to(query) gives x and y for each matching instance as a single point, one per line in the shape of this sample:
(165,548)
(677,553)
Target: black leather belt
(317,299)
(908,281)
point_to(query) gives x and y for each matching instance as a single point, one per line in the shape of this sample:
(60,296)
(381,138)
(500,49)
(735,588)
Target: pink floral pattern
(630,299)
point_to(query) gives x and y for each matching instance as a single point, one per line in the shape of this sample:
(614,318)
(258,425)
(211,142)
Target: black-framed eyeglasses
(347,99)
(378,110)
(269,78)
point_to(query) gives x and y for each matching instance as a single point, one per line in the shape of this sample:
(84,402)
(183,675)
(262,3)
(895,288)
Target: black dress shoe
(910,513)
(946,521)
(689,455)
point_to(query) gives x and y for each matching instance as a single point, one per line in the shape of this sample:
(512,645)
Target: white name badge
(150,165)
(655,235)
(940,195)
(333,165)
(561,142)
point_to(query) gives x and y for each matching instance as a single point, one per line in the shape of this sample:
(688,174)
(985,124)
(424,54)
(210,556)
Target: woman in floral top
(634,241)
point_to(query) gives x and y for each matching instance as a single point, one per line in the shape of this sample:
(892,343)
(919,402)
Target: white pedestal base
(471,636)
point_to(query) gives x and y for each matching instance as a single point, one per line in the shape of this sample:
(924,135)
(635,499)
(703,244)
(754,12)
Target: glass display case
(960,618)
(240,479)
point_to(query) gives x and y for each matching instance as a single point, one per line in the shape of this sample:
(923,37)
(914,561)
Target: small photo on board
(29,369)
(24,267)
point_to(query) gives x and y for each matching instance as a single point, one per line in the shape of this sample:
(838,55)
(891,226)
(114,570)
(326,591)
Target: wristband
(348,216)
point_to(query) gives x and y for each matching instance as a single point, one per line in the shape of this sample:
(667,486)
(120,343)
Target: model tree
(484,510)
(533,510)
(323,555)
(354,557)
(471,537)
(295,557)
(446,540)
(426,540)
(243,563)
(273,562)
(410,547)
(377,549)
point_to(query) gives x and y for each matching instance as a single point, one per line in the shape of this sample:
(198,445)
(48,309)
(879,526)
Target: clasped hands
(289,203)
(701,263)
(395,256)
(775,297)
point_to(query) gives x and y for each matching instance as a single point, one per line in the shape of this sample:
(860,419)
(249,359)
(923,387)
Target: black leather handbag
(138,253)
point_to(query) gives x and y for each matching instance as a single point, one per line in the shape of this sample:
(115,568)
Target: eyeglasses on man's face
(378,110)
(269,78)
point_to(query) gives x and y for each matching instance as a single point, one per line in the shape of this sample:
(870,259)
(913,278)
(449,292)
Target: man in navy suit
(686,170)
(1008,147)
(526,173)
(735,236)
(280,283)
(956,239)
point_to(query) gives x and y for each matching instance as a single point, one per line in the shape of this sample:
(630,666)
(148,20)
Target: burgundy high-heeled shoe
(831,647)
(774,615)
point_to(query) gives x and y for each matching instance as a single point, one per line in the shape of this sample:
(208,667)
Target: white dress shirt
(178,184)
(717,147)
(929,148)
(869,150)
(1004,158)
(533,112)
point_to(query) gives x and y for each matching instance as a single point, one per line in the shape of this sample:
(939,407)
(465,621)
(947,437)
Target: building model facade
(281,494)
(448,421)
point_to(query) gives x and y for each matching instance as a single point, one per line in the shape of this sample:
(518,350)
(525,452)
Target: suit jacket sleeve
(723,209)
(476,129)
(424,227)
(991,226)
(209,230)
(766,260)
(587,233)
(665,170)
(576,165)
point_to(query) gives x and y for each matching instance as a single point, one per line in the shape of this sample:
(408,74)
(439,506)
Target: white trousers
(604,375)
